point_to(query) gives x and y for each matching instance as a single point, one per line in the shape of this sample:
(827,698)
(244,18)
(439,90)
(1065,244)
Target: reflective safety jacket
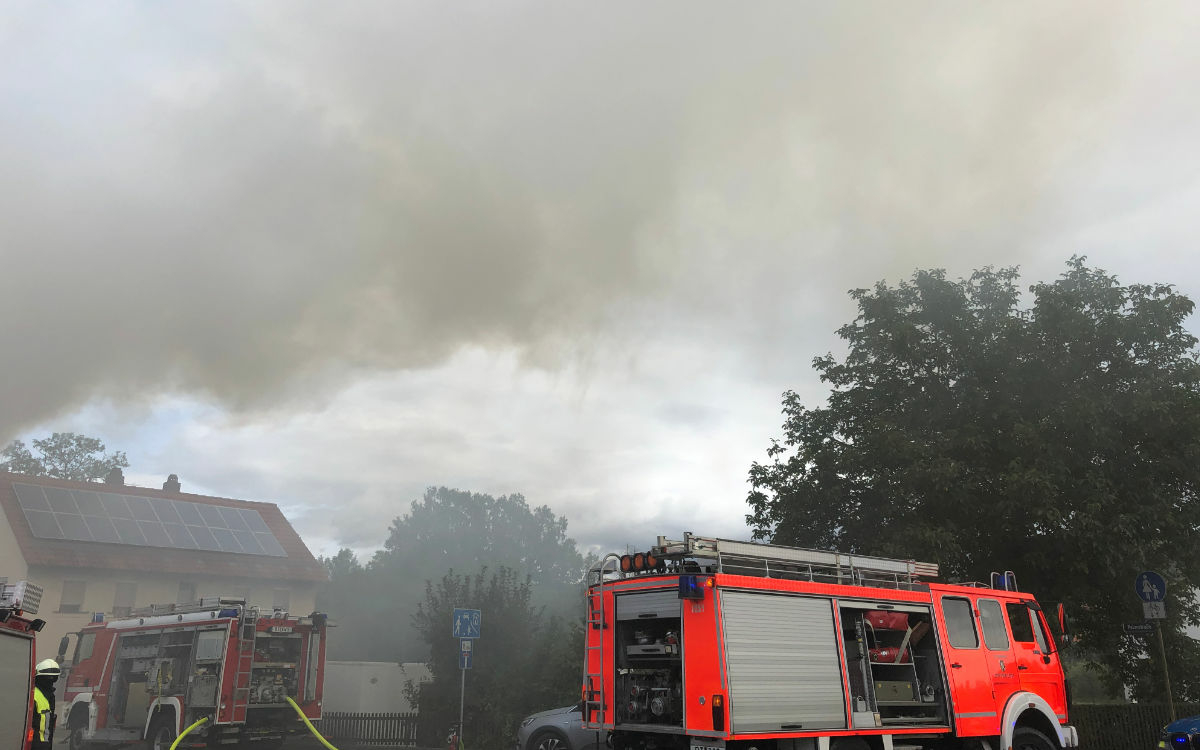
(43,720)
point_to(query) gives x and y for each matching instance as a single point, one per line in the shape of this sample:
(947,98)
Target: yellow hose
(307,723)
(197,723)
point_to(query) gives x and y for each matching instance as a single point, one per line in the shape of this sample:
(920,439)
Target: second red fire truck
(157,672)
(17,649)
(713,644)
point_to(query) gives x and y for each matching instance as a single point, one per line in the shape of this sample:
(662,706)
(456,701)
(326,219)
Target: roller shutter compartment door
(783,663)
(648,605)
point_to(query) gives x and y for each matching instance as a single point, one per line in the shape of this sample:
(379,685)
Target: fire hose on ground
(304,718)
(184,733)
(308,724)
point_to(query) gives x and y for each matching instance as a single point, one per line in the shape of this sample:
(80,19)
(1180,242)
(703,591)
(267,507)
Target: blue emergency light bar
(691,587)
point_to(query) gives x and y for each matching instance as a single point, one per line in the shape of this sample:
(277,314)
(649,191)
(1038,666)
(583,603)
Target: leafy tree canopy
(465,530)
(63,455)
(1059,439)
(446,530)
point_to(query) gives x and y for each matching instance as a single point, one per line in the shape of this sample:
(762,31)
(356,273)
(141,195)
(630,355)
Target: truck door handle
(956,666)
(1022,666)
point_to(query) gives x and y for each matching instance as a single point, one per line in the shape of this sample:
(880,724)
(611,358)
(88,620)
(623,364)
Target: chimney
(115,476)
(172,483)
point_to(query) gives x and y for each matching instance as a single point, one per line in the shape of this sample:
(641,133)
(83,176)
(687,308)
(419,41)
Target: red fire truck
(154,673)
(17,633)
(713,644)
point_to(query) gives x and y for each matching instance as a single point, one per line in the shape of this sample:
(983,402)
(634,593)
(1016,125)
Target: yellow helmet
(47,668)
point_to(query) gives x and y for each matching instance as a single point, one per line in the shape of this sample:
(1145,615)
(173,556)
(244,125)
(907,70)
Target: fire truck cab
(17,649)
(151,675)
(714,644)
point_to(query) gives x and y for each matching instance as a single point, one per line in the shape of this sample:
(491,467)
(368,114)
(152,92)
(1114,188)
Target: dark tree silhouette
(1059,439)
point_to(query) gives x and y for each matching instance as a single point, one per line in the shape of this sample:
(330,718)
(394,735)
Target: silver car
(558,729)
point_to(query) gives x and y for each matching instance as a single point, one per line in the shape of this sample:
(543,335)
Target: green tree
(519,665)
(1060,440)
(63,455)
(447,529)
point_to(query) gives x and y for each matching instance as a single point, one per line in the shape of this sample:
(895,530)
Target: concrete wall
(152,588)
(370,686)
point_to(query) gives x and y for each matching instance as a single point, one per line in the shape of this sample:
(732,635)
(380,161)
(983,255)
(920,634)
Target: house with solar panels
(109,548)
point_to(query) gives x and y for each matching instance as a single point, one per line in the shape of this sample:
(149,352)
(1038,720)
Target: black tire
(548,739)
(75,739)
(1028,738)
(161,734)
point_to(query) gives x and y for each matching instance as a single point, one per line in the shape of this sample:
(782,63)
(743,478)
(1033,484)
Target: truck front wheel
(75,739)
(1028,738)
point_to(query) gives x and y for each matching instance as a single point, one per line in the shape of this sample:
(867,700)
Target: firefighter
(44,676)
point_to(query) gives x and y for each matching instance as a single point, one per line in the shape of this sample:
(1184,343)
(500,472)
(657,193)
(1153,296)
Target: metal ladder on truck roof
(593,681)
(796,563)
(244,663)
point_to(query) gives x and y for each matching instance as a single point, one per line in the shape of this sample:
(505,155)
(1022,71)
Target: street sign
(1138,628)
(465,623)
(464,659)
(1150,586)
(1154,610)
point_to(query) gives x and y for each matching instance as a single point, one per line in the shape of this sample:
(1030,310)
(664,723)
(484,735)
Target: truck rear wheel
(162,734)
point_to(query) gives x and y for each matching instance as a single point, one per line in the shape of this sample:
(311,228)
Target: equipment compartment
(649,667)
(892,667)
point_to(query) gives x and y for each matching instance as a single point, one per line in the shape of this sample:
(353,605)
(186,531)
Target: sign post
(464,626)
(1152,590)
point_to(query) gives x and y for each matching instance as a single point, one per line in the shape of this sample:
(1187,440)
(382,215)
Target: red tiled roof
(299,565)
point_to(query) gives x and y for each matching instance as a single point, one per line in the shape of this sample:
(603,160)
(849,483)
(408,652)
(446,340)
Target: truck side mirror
(62,648)
(1064,627)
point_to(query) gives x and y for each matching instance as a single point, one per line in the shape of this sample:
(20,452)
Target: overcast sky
(328,254)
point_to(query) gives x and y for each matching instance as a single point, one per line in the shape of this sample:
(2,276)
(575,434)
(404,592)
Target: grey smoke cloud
(248,201)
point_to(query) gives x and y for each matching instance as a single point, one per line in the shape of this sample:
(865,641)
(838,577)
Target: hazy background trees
(1054,433)
(527,659)
(446,530)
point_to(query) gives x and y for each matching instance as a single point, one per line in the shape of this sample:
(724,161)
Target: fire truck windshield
(15,688)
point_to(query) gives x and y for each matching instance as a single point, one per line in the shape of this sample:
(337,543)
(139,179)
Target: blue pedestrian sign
(1150,586)
(465,623)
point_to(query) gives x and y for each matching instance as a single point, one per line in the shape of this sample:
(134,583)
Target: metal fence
(381,730)
(1124,726)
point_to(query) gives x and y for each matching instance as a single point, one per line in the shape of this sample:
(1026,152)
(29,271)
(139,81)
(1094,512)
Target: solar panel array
(110,518)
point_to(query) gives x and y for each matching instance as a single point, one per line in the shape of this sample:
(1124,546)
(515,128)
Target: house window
(281,599)
(72,596)
(187,592)
(124,598)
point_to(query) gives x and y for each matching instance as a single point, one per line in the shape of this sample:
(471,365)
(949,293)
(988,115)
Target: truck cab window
(1018,620)
(1039,633)
(991,617)
(84,646)
(960,622)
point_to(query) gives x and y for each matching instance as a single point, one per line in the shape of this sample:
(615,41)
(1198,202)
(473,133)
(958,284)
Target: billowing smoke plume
(235,199)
